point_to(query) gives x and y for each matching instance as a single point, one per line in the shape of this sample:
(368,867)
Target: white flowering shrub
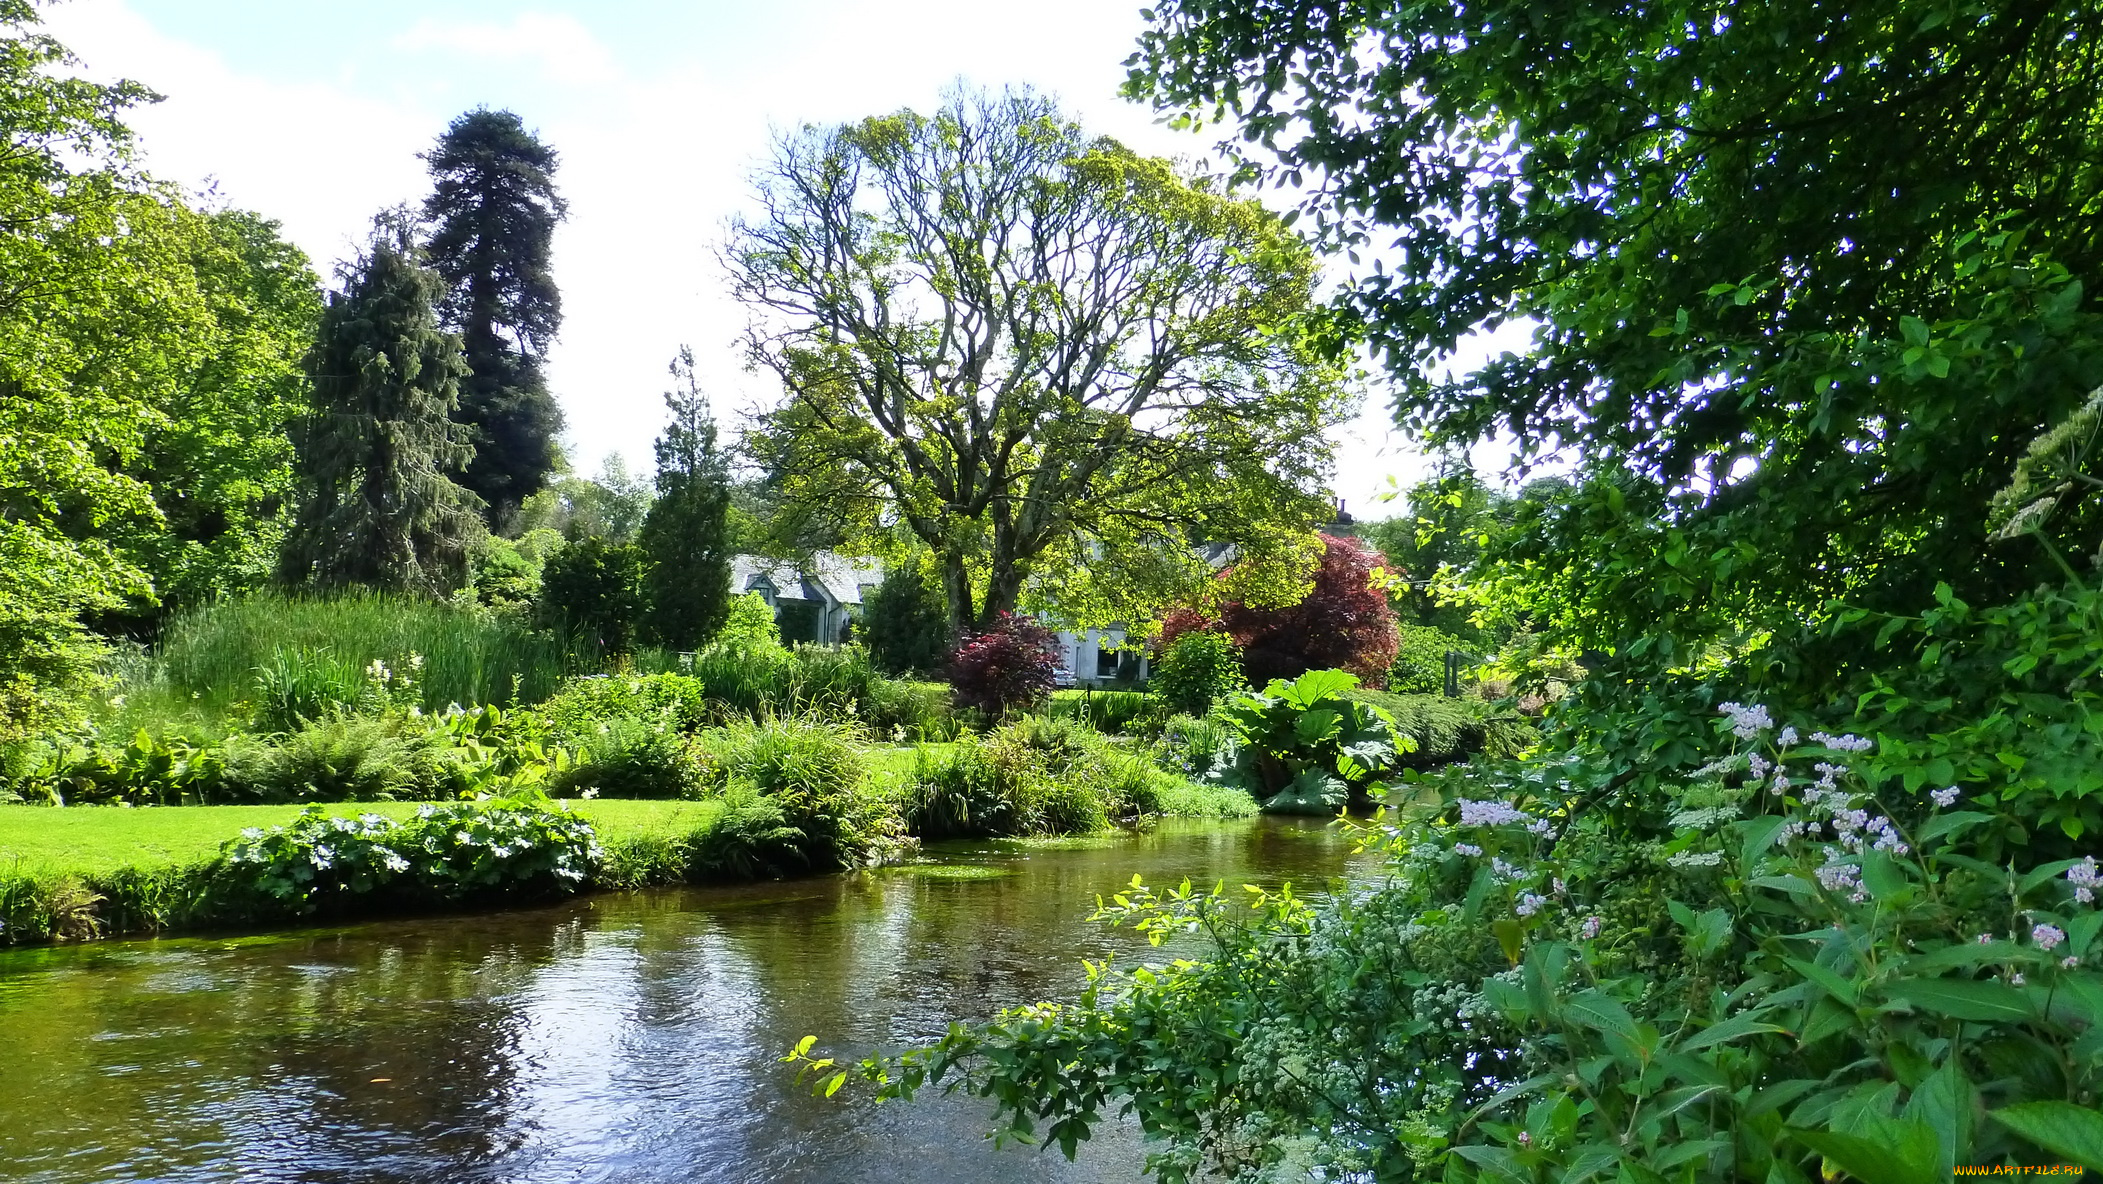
(1765,971)
(444,853)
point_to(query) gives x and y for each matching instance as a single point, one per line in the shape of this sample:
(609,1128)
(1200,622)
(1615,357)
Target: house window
(1105,662)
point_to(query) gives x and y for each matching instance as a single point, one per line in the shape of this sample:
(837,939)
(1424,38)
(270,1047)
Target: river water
(624,1037)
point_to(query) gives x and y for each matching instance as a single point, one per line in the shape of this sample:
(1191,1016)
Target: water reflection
(621,1038)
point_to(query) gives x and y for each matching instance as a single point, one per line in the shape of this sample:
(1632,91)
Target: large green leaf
(1983,1000)
(2061,1128)
(1887,1151)
(1312,687)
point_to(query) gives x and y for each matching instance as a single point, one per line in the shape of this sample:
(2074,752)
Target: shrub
(1757,967)
(749,625)
(1343,623)
(1307,748)
(346,759)
(796,796)
(452,852)
(905,622)
(1199,747)
(1037,776)
(1012,663)
(904,711)
(1420,663)
(576,712)
(592,591)
(1198,670)
(633,757)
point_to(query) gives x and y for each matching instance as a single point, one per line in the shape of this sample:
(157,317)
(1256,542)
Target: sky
(313,114)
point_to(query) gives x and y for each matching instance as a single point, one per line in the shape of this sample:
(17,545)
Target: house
(1093,657)
(819,598)
(813,600)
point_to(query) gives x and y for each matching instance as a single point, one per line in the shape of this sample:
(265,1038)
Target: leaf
(1949,824)
(1511,938)
(1725,1031)
(1839,988)
(1900,1152)
(1965,999)
(2061,1128)
(1794,885)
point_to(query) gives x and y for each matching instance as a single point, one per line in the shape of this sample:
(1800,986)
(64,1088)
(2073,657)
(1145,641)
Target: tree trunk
(956,589)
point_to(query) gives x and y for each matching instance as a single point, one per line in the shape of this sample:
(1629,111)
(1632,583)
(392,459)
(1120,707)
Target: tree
(1807,277)
(592,591)
(610,506)
(1343,623)
(377,449)
(494,210)
(1014,662)
(685,539)
(147,353)
(905,624)
(1045,357)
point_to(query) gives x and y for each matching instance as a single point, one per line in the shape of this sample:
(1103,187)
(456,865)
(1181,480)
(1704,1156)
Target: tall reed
(234,651)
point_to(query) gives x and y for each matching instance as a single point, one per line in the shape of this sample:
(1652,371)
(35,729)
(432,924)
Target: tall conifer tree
(377,449)
(685,540)
(493,211)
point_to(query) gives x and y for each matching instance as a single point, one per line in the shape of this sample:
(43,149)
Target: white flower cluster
(2048,937)
(2086,879)
(1845,743)
(1945,798)
(1838,876)
(1529,904)
(1696,859)
(1491,813)
(1746,722)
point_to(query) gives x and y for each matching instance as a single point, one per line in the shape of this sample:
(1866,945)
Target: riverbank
(623,1035)
(82,873)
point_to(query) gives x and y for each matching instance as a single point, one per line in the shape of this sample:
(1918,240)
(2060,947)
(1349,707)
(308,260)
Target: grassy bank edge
(72,884)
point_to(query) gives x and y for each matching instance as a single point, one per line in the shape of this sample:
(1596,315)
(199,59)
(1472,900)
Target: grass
(213,660)
(94,840)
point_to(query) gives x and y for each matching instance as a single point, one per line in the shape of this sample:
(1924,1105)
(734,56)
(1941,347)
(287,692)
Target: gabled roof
(823,576)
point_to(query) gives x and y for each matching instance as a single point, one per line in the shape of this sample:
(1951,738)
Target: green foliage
(1048,776)
(625,756)
(1795,338)
(796,800)
(749,626)
(592,590)
(209,659)
(148,361)
(1109,712)
(1561,980)
(377,451)
(684,540)
(1073,459)
(493,210)
(610,506)
(1308,747)
(1420,665)
(464,851)
(905,623)
(1197,671)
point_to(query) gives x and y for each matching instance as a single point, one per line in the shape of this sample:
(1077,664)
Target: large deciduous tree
(1808,276)
(148,356)
(685,539)
(1057,364)
(378,449)
(493,212)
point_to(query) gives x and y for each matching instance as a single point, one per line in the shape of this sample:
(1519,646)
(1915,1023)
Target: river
(630,1037)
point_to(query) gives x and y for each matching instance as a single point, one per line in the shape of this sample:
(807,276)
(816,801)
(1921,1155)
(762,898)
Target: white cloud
(560,46)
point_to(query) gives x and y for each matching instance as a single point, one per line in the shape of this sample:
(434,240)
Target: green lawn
(90,839)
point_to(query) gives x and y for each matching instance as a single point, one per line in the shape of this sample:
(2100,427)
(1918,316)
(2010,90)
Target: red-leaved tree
(1012,663)
(1345,622)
